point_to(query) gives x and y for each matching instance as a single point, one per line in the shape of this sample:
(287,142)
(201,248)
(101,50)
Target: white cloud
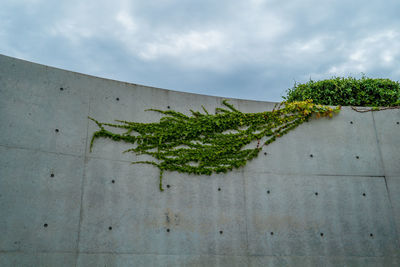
(182,45)
(378,50)
(88,19)
(71,30)
(315,45)
(126,21)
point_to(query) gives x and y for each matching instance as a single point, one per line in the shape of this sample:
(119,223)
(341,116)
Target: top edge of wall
(127,83)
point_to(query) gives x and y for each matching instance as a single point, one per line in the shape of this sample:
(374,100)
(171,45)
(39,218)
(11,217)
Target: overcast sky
(250,49)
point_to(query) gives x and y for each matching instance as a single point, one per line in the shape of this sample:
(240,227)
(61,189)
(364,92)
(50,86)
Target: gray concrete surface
(59,206)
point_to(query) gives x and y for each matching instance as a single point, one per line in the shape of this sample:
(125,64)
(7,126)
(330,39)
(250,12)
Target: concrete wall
(59,206)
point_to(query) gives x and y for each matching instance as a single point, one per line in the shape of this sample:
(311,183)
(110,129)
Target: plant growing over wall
(348,92)
(205,143)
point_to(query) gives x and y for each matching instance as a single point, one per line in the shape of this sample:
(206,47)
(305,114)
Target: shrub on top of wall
(365,92)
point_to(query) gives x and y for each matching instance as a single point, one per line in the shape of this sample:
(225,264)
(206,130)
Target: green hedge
(348,92)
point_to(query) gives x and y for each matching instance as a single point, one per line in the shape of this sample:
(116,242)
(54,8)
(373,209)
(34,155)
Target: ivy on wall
(348,91)
(205,143)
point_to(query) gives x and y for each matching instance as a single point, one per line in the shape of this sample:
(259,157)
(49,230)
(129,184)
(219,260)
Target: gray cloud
(247,49)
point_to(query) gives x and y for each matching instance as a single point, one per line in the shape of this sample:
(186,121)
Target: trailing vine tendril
(209,143)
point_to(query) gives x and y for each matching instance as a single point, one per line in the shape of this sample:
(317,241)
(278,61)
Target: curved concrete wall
(59,205)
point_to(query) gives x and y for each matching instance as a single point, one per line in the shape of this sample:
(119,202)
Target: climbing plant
(349,91)
(204,143)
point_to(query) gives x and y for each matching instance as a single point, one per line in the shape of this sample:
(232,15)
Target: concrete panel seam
(41,150)
(325,256)
(278,173)
(172,254)
(82,188)
(318,174)
(384,171)
(113,160)
(379,150)
(161,254)
(37,251)
(245,216)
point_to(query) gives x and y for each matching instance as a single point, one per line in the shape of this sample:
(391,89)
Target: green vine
(349,91)
(205,143)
